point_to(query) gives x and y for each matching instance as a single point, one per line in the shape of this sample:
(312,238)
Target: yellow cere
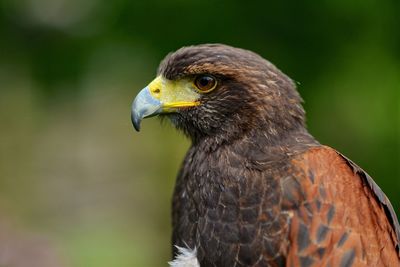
(174,94)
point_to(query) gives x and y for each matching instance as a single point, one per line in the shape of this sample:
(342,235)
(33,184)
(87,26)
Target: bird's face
(214,89)
(165,96)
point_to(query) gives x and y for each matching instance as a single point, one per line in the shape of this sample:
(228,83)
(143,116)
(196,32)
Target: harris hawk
(255,188)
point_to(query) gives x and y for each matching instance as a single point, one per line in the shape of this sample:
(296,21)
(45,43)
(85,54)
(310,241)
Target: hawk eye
(205,83)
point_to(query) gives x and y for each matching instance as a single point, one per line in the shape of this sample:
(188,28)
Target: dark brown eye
(205,83)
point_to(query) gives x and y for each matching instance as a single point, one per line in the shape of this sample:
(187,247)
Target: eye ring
(205,83)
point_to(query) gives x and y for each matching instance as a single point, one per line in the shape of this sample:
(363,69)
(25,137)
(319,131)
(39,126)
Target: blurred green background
(78,187)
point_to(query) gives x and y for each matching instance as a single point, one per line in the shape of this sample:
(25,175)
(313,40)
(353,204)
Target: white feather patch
(186,257)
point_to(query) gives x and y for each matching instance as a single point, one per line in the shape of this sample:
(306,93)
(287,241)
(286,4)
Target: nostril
(156,91)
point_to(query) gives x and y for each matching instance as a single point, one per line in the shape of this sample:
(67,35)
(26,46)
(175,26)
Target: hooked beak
(144,105)
(162,96)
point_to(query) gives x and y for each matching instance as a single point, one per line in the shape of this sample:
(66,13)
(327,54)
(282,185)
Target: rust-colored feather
(344,218)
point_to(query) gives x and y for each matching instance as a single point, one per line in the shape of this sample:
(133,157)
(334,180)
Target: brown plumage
(255,188)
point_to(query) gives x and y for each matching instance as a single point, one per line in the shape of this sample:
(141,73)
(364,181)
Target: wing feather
(342,217)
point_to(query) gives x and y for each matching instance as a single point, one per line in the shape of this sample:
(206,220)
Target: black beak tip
(135,123)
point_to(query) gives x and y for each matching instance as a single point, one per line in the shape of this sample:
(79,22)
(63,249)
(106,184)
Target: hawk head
(215,90)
